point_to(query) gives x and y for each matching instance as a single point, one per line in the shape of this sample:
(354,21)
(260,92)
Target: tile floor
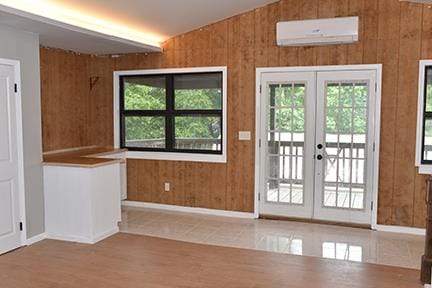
(343,243)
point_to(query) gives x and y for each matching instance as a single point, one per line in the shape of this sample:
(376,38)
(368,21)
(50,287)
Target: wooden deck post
(427,257)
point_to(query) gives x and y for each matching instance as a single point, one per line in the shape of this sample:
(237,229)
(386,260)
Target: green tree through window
(172,112)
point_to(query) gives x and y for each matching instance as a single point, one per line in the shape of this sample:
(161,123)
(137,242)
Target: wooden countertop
(86,157)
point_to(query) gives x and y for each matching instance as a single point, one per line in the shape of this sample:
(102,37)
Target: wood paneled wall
(65,99)
(392,33)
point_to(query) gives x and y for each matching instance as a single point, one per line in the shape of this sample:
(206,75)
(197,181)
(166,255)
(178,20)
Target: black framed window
(179,112)
(427,117)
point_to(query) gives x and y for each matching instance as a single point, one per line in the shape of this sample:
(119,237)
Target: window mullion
(197,112)
(169,120)
(144,113)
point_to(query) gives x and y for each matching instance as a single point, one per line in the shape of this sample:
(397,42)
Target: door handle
(319,157)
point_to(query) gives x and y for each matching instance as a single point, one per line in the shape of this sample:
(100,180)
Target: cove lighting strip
(80,19)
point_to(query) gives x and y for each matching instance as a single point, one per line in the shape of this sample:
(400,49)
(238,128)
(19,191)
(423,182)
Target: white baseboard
(69,238)
(214,212)
(84,240)
(106,234)
(401,229)
(35,239)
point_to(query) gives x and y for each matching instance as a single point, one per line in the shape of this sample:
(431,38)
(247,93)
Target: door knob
(319,146)
(319,157)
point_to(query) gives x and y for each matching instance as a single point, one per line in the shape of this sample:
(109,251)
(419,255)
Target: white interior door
(344,146)
(10,236)
(288,125)
(317,144)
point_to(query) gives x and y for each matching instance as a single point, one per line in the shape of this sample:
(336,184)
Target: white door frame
(377,124)
(20,144)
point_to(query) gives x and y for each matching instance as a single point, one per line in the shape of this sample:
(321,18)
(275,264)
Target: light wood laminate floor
(126,260)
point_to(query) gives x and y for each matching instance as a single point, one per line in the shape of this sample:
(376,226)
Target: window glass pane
(198,91)
(299,95)
(345,121)
(283,119)
(332,120)
(360,121)
(360,94)
(272,94)
(332,99)
(198,133)
(427,152)
(428,91)
(346,94)
(283,95)
(145,132)
(144,93)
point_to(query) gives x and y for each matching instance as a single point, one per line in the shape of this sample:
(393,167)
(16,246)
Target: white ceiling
(166,18)
(157,19)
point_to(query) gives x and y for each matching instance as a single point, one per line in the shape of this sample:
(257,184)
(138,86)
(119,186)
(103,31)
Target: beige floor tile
(335,242)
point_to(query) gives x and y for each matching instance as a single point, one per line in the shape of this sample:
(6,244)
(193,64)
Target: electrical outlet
(167,187)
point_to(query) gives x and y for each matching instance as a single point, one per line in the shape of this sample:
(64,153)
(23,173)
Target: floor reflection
(332,242)
(283,244)
(342,251)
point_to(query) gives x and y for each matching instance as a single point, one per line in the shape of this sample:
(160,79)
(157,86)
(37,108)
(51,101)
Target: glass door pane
(345,143)
(286,135)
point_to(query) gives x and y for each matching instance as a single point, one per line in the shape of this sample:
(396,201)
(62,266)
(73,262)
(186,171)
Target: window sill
(168,156)
(425,169)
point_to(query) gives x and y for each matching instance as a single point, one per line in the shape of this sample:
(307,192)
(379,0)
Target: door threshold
(315,221)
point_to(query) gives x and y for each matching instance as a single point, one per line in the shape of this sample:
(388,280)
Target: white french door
(10,234)
(288,142)
(317,144)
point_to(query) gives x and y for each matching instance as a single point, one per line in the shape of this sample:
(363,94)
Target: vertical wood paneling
(100,69)
(427,33)
(404,171)
(394,34)
(64,88)
(420,211)
(273,51)
(355,51)
(369,34)
(240,111)
(388,55)
(132,179)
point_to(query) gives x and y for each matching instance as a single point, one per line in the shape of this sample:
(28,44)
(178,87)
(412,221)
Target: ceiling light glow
(83,20)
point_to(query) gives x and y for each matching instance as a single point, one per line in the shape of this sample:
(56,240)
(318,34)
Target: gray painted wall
(24,46)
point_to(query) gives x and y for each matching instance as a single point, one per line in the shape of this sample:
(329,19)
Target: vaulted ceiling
(145,22)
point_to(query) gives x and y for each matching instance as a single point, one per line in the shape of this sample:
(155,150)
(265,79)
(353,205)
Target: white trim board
(423,168)
(185,209)
(84,240)
(173,156)
(35,239)
(400,229)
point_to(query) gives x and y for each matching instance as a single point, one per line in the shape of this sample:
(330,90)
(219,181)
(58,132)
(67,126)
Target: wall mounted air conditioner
(317,31)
